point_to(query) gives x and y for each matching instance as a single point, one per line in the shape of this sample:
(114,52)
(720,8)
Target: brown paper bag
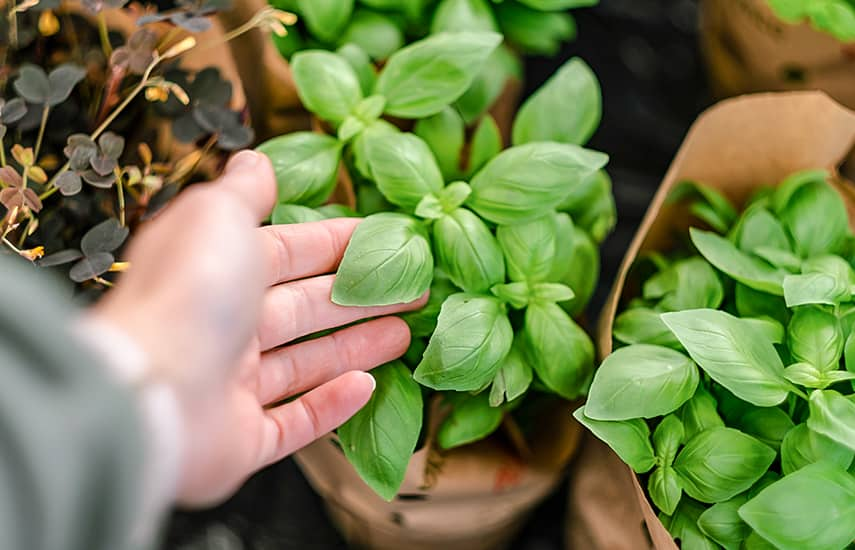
(749,49)
(470,498)
(734,147)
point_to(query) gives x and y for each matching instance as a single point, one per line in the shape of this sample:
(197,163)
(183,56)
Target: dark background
(646,56)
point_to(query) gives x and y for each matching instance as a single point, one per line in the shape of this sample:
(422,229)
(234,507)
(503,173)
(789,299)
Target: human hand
(211,298)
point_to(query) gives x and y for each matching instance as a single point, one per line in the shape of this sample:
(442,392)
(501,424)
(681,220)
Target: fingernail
(244,160)
(373,382)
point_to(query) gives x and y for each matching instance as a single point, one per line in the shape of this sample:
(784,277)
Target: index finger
(297,251)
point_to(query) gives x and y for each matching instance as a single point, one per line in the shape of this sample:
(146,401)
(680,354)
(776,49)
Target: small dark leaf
(210,87)
(91,266)
(60,258)
(95,179)
(214,119)
(62,80)
(185,129)
(32,84)
(191,22)
(10,198)
(111,145)
(13,110)
(236,137)
(69,183)
(102,164)
(10,176)
(107,236)
(79,149)
(31,199)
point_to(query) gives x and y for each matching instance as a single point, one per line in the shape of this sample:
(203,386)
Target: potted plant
(730,392)
(81,104)
(499,236)
(760,45)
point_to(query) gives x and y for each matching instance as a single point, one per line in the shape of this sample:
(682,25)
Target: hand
(212,298)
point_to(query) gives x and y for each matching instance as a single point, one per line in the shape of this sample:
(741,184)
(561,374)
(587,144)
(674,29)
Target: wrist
(161,419)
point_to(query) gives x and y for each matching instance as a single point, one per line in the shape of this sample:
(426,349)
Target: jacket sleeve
(70,437)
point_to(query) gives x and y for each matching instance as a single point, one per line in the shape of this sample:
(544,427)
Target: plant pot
(734,147)
(749,49)
(475,497)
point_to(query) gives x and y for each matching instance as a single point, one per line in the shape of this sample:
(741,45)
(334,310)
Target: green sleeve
(70,438)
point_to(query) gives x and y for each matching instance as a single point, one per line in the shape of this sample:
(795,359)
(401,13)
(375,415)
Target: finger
(248,179)
(301,367)
(296,251)
(292,426)
(297,309)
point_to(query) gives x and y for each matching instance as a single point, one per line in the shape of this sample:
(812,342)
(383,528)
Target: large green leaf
(325,18)
(380,439)
(403,167)
(326,83)
(305,165)
(467,251)
(750,271)
(833,415)
(471,419)
(630,439)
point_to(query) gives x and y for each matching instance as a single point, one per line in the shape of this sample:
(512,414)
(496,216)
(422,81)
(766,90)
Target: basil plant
(739,358)
(505,240)
(832,17)
(370,31)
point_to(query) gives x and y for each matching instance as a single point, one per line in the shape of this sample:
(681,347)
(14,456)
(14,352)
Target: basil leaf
(326,84)
(284,214)
(325,18)
(513,377)
(849,354)
(683,526)
(533,31)
(753,303)
(592,205)
(699,413)
(814,215)
(423,321)
(468,252)
(696,286)
(359,146)
(331,211)
(473,335)
(756,542)
(471,419)
(664,489)
(527,181)
(641,381)
(582,252)
(718,464)
(424,77)
(813,288)
(803,446)
(721,522)
(517,295)
(707,204)
(463,15)
(736,264)
(833,415)
(560,352)
(779,258)
(486,144)
(769,425)
(551,292)
(529,248)
(732,353)
(814,337)
(805,374)
(573,91)
(832,265)
(500,67)
(305,165)
(629,439)
(558,5)
(388,261)
(758,228)
(770,329)
(361,65)
(403,168)
(376,33)
(391,421)
(667,438)
(443,133)
(811,508)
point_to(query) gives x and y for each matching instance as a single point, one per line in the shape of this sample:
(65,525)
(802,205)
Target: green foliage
(835,17)
(735,354)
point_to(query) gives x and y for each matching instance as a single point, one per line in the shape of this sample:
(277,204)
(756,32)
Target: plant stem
(102,281)
(2,154)
(12,246)
(45,112)
(48,193)
(121,191)
(24,232)
(13,26)
(104,34)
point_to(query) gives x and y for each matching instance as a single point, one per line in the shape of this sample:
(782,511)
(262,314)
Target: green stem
(2,154)
(121,191)
(104,34)
(13,26)
(41,135)
(48,193)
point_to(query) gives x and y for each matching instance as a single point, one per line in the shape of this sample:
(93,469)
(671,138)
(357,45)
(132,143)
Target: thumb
(249,179)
